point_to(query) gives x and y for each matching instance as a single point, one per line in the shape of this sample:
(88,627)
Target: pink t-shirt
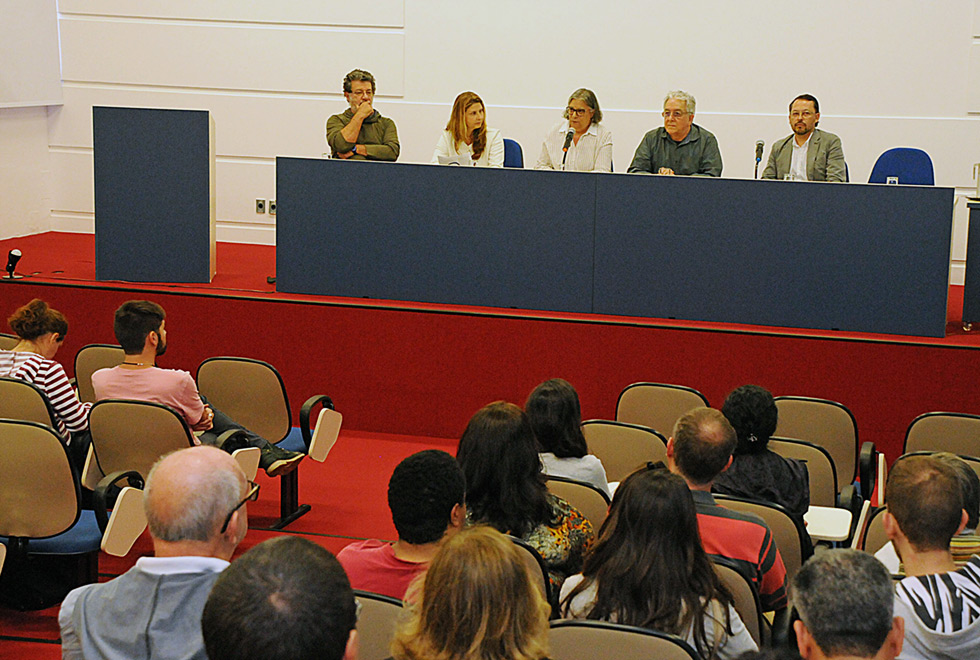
(372,566)
(171,387)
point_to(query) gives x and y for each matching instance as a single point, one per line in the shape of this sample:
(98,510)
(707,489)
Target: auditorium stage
(422,369)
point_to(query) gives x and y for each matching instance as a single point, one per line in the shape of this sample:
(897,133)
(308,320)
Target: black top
(769,477)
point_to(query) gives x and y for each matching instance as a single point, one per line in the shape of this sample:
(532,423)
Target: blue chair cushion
(84,537)
(293,441)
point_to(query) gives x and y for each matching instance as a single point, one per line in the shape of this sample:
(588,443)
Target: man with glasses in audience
(681,146)
(195,509)
(809,154)
(285,599)
(360,132)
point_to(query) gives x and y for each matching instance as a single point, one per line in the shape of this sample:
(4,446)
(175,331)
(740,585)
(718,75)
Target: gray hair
(358,74)
(199,512)
(682,96)
(836,581)
(588,97)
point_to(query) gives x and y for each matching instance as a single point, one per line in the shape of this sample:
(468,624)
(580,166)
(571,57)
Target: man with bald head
(700,449)
(195,510)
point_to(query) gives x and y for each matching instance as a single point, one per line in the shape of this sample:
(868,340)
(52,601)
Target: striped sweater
(49,376)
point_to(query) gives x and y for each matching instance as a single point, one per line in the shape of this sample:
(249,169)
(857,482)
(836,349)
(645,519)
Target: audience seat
(825,423)
(538,570)
(90,359)
(958,433)
(577,639)
(746,598)
(623,447)
(657,405)
(819,464)
(874,536)
(589,500)
(8,341)
(972,461)
(376,624)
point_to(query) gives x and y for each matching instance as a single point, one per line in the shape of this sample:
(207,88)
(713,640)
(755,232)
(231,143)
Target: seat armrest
(851,500)
(304,415)
(868,468)
(104,497)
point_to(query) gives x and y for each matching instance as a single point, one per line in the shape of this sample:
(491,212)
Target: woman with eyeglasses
(580,143)
(648,569)
(467,138)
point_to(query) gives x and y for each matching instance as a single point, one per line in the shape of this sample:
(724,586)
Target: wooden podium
(154,195)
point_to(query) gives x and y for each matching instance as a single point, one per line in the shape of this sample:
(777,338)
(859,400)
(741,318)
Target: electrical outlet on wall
(272,207)
(260,206)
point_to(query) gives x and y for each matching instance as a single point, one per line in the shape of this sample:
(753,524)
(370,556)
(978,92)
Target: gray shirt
(696,154)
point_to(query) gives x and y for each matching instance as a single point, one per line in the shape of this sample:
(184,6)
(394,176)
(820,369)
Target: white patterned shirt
(593,153)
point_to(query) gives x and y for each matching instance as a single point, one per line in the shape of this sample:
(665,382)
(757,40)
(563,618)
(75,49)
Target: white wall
(887,72)
(25,175)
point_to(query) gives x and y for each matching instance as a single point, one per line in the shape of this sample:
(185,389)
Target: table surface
(825,523)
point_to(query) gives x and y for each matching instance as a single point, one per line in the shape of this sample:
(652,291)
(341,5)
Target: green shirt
(378,135)
(696,154)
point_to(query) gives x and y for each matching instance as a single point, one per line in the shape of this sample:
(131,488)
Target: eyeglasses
(253,494)
(676,114)
(805,114)
(577,112)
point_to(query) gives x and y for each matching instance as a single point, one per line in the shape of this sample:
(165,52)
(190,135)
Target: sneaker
(277,461)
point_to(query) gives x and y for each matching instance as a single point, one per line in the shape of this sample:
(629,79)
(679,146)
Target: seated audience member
(140,327)
(965,544)
(285,599)
(680,146)
(41,331)
(476,601)
(590,146)
(467,136)
(757,472)
(505,488)
(195,509)
(809,154)
(360,132)
(939,602)
(426,495)
(648,569)
(845,601)
(556,419)
(699,450)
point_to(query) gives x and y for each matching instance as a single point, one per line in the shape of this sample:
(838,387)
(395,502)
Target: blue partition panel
(428,233)
(153,195)
(809,255)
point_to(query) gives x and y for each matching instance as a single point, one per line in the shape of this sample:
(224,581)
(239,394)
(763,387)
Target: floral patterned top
(564,544)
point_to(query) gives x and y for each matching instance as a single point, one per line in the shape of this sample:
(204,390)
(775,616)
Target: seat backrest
(825,423)
(623,447)
(8,341)
(39,492)
(249,391)
(577,639)
(657,405)
(589,500)
(819,466)
(789,533)
(24,401)
(513,154)
(132,435)
(90,359)
(861,525)
(535,565)
(958,433)
(376,624)
(874,535)
(911,166)
(744,594)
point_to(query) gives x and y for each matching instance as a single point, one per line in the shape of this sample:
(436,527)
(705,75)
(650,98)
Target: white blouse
(493,154)
(593,153)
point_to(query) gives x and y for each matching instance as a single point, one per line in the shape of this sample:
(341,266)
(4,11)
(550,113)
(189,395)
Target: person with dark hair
(478,601)
(505,488)
(41,330)
(757,472)
(195,503)
(939,601)
(591,146)
(360,132)
(809,154)
(965,544)
(700,449)
(648,569)
(426,496)
(556,419)
(285,599)
(845,602)
(467,140)
(140,327)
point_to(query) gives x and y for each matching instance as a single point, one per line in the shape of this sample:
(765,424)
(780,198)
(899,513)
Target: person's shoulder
(359,548)
(704,132)
(492,133)
(825,135)
(782,142)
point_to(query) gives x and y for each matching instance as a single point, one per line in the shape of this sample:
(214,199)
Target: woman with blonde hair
(467,138)
(477,601)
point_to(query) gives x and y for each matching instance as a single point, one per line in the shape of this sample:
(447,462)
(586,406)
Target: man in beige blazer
(809,154)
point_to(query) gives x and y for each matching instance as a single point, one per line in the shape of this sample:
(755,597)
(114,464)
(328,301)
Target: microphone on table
(758,155)
(568,141)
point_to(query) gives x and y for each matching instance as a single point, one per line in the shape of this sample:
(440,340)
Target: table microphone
(759,144)
(568,141)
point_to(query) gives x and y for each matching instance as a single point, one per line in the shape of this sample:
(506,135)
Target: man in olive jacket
(360,132)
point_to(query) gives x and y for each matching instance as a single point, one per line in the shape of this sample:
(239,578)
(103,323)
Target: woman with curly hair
(648,569)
